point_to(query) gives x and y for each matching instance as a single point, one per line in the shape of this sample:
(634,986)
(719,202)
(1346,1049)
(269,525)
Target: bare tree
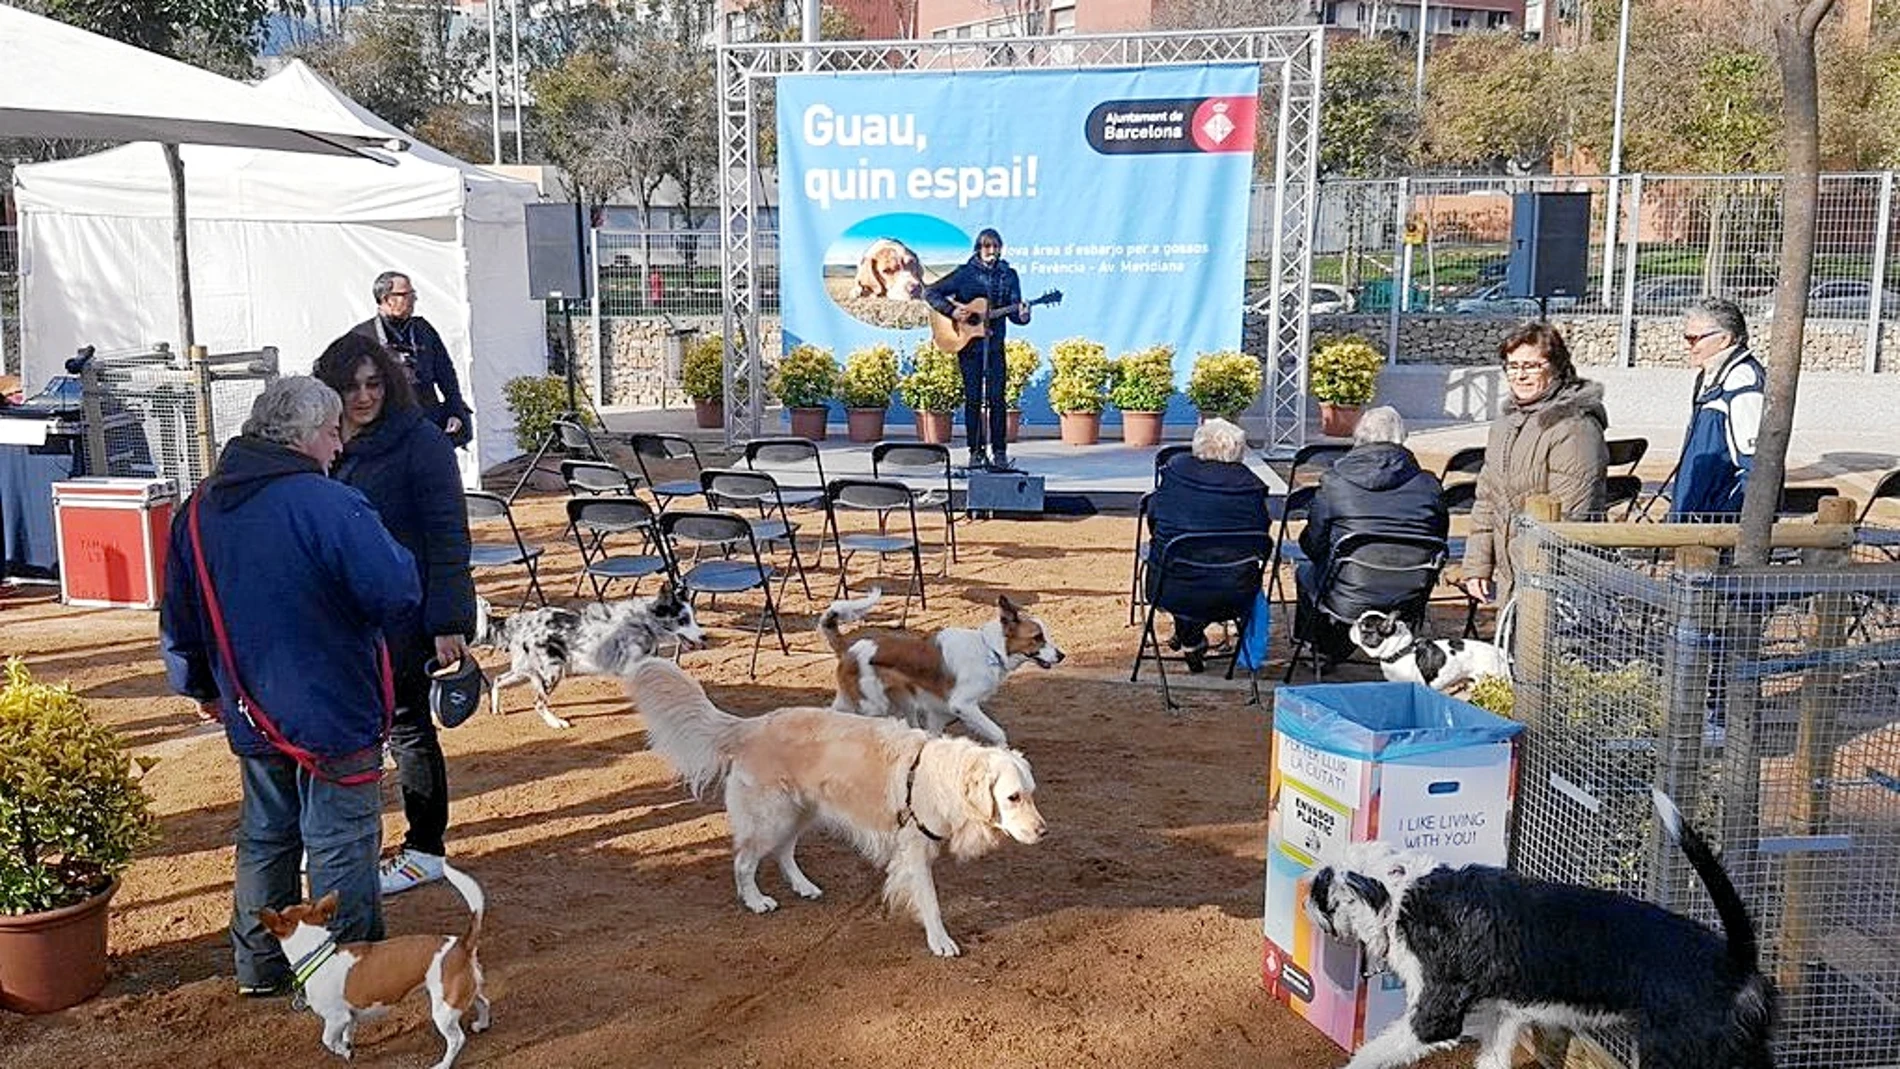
(1795,26)
(1221,14)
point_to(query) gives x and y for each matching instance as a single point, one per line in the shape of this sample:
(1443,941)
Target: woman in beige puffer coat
(1548,441)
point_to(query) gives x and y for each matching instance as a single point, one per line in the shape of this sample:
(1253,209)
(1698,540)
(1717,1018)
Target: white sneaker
(406,869)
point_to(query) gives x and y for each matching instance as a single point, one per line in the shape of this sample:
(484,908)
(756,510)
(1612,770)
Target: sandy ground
(1130,936)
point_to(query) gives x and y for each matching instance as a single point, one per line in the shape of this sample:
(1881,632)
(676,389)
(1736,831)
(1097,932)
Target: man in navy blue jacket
(985,274)
(305,581)
(1718,449)
(397,326)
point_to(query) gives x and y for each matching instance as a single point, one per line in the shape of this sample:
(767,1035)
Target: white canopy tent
(284,249)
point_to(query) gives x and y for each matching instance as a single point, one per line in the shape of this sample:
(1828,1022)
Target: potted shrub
(1224,384)
(535,402)
(1143,382)
(1343,376)
(71,814)
(1078,389)
(805,382)
(933,390)
(1021,361)
(870,378)
(703,379)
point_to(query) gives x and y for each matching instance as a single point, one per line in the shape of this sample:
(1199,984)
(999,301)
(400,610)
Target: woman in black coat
(403,463)
(1208,488)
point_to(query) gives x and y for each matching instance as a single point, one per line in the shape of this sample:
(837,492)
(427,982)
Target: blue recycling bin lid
(1384,721)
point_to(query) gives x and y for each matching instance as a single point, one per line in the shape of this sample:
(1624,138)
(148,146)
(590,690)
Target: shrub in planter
(870,378)
(1224,383)
(1344,371)
(702,369)
(935,384)
(71,814)
(1143,380)
(807,377)
(536,401)
(1021,361)
(1082,374)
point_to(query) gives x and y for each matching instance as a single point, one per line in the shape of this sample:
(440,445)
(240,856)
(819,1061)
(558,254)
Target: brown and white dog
(901,797)
(930,680)
(346,982)
(890,269)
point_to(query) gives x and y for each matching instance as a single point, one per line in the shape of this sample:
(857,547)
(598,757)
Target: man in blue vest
(1718,450)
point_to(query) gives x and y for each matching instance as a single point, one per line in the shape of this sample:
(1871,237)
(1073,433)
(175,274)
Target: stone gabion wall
(635,352)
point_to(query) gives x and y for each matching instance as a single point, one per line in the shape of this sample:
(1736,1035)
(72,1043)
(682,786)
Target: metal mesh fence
(9,300)
(1766,701)
(673,272)
(148,409)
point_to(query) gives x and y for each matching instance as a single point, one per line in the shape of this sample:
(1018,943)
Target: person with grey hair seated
(1208,488)
(1718,449)
(1376,488)
(279,589)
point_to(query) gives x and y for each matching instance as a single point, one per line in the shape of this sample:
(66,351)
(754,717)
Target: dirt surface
(1130,936)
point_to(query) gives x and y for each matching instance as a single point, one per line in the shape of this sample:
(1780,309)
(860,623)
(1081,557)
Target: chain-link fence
(9,300)
(1766,701)
(147,415)
(1420,264)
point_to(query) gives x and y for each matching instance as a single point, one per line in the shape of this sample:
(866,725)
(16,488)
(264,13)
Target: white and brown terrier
(930,680)
(347,982)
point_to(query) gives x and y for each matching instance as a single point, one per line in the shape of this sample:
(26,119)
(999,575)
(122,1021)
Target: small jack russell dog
(1446,665)
(930,680)
(347,982)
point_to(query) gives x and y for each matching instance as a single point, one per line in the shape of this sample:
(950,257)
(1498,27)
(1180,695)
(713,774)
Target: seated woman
(1376,488)
(1207,488)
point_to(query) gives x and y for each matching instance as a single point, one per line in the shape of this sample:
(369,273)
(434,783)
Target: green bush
(935,384)
(1021,361)
(1493,694)
(536,401)
(1344,371)
(1224,383)
(1143,380)
(1082,374)
(807,377)
(71,808)
(702,368)
(870,378)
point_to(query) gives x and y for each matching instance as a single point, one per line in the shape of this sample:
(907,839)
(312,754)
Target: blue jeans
(285,813)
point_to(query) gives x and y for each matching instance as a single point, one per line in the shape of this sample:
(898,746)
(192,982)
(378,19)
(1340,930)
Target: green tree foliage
(402,64)
(1489,104)
(1366,117)
(223,34)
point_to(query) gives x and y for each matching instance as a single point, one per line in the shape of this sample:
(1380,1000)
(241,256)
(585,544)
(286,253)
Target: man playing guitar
(987,275)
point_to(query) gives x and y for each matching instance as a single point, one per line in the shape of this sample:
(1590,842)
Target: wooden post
(203,433)
(181,246)
(1815,740)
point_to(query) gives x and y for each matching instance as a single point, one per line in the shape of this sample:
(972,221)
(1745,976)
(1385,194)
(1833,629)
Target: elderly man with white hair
(1376,488)
(1208,488)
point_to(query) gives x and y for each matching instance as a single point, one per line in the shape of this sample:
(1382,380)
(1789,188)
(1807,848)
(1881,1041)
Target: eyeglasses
(1691,339)
(1537,368)
(411,294)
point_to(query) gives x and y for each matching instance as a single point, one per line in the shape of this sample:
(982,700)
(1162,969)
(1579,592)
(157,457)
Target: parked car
(1844,299)
(1323,299)
(1666,294)
(1494,300)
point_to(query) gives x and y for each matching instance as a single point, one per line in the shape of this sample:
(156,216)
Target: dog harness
(909,815)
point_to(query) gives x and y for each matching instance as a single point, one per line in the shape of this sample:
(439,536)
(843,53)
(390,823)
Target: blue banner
(1124,190)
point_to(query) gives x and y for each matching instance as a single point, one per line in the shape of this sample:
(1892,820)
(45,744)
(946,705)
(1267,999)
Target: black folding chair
(1138,597)
(1286,550)
(594,520)
(1189,567)
(726,487)
(1315,459)
(917,461)
(590,478)
(883,498)
(800,472)
(1622,491)
(1458,499)
(1406,569)
(1803,500)
(738,566)
(1885,539)
(1626,453)
(1467,463)
(670,451)
(485,509)
(1167,453)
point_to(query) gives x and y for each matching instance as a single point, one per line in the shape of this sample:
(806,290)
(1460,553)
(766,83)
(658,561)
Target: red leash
(254,713)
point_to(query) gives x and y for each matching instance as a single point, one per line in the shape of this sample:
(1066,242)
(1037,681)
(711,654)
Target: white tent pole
(494,84)
(181,251)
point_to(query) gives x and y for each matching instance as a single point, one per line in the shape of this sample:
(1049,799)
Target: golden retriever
(898,794)
(890,269)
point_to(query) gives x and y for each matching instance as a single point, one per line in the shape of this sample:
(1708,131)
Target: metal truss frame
(1292,57)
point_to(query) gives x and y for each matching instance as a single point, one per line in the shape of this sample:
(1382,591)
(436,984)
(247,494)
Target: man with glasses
(985,274)
(420,349)
(1718,449)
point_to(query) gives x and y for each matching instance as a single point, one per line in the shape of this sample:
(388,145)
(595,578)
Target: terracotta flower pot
(52,960)
(1141,428)
(1338,421)
(933,427)
(809,423)
(1012,425)
(708,415)
(1081,428)
(865,424)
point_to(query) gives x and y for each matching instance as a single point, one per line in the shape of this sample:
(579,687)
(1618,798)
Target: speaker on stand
(1550,247)
(558,273)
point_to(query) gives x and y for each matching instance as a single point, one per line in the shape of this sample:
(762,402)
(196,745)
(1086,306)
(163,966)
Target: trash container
(674,351)
(1355,762)
(112,535)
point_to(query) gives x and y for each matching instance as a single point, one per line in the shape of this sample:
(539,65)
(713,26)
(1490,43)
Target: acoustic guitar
(972,320)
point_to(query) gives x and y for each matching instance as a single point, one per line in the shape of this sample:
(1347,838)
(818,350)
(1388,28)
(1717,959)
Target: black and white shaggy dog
(548,644)
(1482,941)
(1444,664)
